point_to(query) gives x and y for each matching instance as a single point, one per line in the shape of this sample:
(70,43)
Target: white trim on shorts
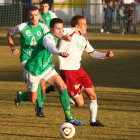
(32,81)
(23,63)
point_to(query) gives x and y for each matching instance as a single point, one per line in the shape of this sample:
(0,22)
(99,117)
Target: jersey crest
(47,18)
(38,33)
(28,33)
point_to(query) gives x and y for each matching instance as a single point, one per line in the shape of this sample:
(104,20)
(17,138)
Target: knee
(32,99)
(93,96)
(43,88)
(62,86)
(80,104)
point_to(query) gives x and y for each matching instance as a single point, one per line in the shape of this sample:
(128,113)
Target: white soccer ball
(67,130)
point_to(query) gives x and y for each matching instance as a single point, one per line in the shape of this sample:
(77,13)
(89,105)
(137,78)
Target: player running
(73,74)
(30,33)
(39,66)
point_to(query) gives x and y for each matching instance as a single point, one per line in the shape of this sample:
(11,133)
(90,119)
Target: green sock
(23,96)
(65,101)
(43,96)
(38,100)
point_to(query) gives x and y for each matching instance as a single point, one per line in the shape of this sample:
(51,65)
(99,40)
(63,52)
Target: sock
(38,100)
(65,101)
(92,105)
(72,101)
(23,96)
(43,96)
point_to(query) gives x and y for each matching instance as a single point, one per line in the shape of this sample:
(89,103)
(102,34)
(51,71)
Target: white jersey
(75,49)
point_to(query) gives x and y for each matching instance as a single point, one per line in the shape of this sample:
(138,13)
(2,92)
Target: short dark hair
(33,8)
(54,21)
(45,2)
(75,20)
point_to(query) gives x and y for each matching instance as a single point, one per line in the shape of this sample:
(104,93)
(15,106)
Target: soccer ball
(67,130)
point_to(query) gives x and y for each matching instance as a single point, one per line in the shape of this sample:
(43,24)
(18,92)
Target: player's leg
(93,107)
(78,100)
(55,80)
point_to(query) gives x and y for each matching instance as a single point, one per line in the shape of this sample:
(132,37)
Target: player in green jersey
(46,15)
(39,66)
(30,33)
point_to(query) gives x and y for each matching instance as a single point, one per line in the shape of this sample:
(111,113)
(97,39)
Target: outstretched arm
(11,44)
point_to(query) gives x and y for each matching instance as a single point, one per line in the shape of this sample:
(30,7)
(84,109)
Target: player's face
(34,17)
(82,26)
(45,8)
(57,30)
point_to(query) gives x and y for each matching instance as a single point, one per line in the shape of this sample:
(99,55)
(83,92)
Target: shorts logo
(38,33)
(28,33)
(72,93)
(47,18)
(77,86)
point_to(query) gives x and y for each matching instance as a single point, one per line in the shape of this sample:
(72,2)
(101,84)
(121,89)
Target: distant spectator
(132,19)
(120,16)
(26,5)
(108,9)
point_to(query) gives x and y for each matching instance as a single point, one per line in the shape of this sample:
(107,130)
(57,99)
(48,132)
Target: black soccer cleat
(39,112)
(97,123)
(49,89)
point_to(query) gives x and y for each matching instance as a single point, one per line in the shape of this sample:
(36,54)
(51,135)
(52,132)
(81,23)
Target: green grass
(116,82)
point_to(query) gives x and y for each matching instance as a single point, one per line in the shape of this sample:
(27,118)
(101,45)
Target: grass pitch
(117,85)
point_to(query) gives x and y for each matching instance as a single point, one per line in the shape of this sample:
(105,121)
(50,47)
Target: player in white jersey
(46,15)
(72,73)
(30,33)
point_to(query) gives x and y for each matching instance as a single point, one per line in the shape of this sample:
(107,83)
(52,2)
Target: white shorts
(32,81)
(23,63)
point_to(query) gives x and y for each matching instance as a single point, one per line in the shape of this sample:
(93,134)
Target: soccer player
(39,66)
(30,33)
(72,73)
(46,15)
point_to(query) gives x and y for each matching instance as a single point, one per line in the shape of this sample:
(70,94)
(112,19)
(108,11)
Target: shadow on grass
(120,71)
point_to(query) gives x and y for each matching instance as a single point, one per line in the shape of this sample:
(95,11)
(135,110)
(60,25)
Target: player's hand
(15,51)
(77,30)
(64,54)
(67,38)
(109,54)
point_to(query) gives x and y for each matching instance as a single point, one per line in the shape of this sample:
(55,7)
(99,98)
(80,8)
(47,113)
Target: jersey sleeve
(53,15)
(14,31)
(67,31)
(47,42)
(45,28)
(88,47)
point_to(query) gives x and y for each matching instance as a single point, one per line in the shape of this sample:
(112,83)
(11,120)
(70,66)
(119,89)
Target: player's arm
(95,54)
(11,33)
(50,46)
(69,31)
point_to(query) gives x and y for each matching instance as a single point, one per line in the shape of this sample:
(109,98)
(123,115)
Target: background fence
(12,14)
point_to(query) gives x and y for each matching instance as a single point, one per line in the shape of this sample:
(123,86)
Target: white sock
(92,105)
(72,101)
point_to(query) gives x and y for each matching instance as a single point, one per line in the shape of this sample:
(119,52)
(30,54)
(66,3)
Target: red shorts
(76,80)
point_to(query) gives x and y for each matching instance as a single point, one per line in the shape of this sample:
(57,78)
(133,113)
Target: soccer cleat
(97,123)
(39,112)
(17,102)
(74,122)
(49,89)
